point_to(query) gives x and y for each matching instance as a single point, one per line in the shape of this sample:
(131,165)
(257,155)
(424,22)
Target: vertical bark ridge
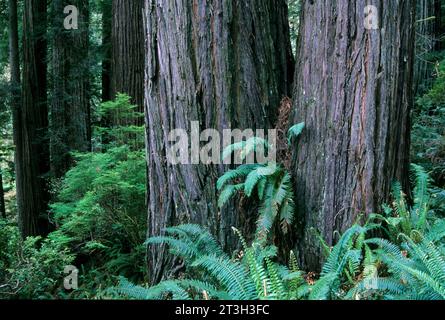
(213,62)
(353,90)
(70,100)
(33,147)
(127,61)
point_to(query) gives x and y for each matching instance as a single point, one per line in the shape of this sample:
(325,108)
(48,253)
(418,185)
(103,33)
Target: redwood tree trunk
(32,148)
(222,63)
(2,198)
(127,43)
(70,105)
(354,91)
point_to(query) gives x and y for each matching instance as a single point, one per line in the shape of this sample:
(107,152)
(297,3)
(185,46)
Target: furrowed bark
(32,148)
(70,103)
(353,89)
(127,63)
(224,64)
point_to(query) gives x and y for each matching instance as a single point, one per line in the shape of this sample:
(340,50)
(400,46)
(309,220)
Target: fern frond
(252,180)
(179,247)
(322,288)
(276,283)
(253,145)
(201,286)
(228,192)
(229,150)
(295,131)
(256,269)
(245,147)
(157,292)
(421,196)
(238,173)
(231,275)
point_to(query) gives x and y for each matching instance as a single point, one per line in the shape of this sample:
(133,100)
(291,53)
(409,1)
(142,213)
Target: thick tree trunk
(224,64)
(127,63)
(32,150)
(70,104)
(354,91)
(2,198)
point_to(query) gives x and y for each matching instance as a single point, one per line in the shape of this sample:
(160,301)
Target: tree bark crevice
(353,91)
(203,64)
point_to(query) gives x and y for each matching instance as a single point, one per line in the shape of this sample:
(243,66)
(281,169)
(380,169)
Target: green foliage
(269,183)
(344,264)
(119,115)
(294,22)
(32,268)
(410,265)
(101,210)
(417,272)
(252,276)
(189,242)
(401,218)
(295,131)
(428,132)
(246,148)
(100,215)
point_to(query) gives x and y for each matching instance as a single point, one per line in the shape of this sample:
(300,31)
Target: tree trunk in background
(224,64)
(354,91)
(70,105)
(425,44)
(106,50)
(127,45)
(32,147)
(2,198)
(439,25)
(14,63)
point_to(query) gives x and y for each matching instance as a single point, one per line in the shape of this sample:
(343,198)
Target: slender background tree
(106,11)
(70,129)
(14,65)
(2,198)
(426,42)
(127,52)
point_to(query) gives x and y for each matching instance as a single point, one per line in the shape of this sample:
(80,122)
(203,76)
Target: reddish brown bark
(220,63)
(354,91)
(127,52)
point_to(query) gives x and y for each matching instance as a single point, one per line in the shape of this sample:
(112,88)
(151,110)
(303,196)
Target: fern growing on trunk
(271,183)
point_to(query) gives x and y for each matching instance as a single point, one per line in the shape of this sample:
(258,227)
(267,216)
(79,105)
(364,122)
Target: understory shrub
(428,131)
(99,217)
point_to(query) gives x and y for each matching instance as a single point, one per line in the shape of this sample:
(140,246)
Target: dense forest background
(353,206)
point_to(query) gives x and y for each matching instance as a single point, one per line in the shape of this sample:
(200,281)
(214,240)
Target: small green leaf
(295,131)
